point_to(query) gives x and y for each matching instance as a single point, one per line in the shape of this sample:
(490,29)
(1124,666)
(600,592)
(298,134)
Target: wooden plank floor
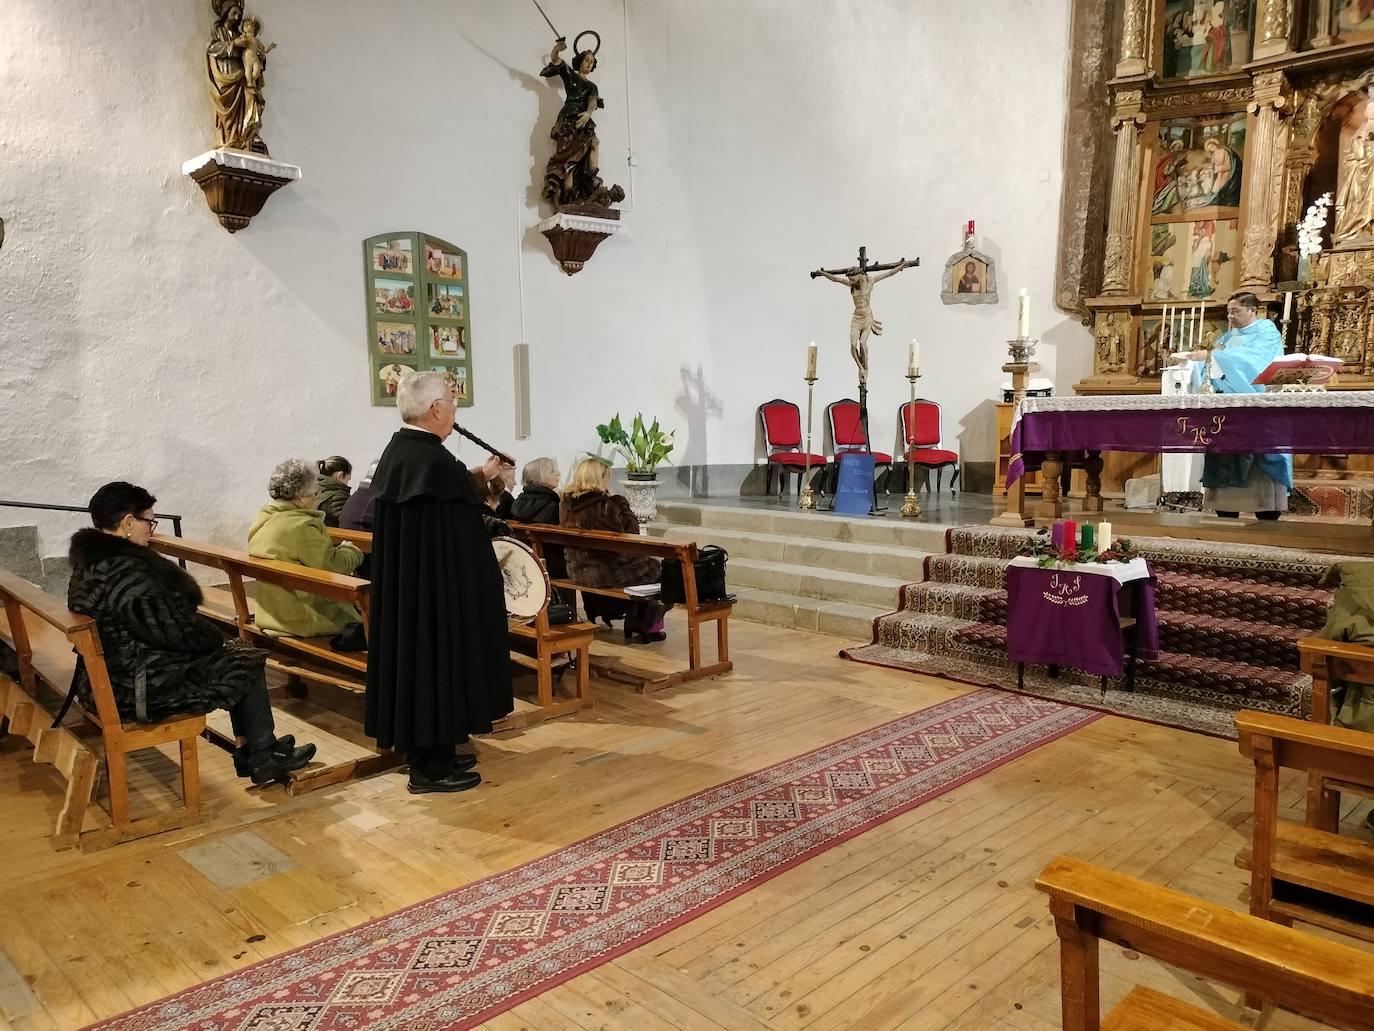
(929,921)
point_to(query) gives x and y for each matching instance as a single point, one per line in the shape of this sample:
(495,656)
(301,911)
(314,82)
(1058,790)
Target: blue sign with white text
(854,493)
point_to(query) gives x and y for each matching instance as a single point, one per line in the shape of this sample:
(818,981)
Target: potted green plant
(643,448)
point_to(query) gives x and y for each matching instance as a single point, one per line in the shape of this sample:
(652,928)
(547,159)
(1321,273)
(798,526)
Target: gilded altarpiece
(1226,120)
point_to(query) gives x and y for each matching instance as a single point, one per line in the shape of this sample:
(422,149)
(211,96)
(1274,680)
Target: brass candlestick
(807,501)
(911,507)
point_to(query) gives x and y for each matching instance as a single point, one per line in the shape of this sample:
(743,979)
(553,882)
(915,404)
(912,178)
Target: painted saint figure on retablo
(1355,199)
(862,324)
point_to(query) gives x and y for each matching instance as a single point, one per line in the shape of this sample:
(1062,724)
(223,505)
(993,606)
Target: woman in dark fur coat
(588,504)
(164,658)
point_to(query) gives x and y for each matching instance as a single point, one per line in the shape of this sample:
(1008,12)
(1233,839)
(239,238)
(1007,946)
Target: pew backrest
(1323,979)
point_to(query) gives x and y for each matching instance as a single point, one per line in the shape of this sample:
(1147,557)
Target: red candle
(969,230)
(1070,538)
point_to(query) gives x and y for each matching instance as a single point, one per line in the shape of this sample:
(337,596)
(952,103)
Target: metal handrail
(175,520)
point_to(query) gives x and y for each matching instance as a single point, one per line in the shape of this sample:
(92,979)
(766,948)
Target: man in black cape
(438,666)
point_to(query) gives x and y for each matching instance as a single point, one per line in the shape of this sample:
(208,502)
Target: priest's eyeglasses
(152,523)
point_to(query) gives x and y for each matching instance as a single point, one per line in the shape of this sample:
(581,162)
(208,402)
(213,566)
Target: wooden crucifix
(860,280)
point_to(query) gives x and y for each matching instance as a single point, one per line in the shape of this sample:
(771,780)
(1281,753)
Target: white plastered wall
(142,341)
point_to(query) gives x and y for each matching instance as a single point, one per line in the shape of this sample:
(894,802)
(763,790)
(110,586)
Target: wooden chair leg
(545,676)
(190,775)
(1323,805)
(584,676)
(722,640)
(693,642)
(80,787)
(939,475)
(116,769)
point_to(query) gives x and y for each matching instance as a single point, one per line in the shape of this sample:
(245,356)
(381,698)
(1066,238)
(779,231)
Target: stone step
(57,571)
(891,531)
(19,552)
(777,608)
(873,559)
(815,582)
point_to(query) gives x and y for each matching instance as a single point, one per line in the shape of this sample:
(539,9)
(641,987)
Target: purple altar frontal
(1329,422)
(1070,615)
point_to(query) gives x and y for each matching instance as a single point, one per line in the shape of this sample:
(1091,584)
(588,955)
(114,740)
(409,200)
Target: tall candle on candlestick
(811,361)
(1287,305)
(1023,314)
(913,354)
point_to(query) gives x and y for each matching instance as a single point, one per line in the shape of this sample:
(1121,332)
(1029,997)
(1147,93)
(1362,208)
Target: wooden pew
(299,658)
(1298,871)
(698,611)
(547,642)
(1328,662)
(1324,980)
(41,631)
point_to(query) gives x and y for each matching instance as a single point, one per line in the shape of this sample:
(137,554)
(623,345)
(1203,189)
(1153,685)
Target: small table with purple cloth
(1081,615)
(1047,431)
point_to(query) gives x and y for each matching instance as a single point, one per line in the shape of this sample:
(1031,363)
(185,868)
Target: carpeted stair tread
(1231,640)
(1237,683)
(1300,607)
(963,601)
(969,570)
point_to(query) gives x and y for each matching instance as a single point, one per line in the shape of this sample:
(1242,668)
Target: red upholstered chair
(921,422)
(847,434)
(782,441)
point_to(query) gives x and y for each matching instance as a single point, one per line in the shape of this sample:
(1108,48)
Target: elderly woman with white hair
(439,660)
(290,528)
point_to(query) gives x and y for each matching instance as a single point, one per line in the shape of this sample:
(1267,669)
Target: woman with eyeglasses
(164,658)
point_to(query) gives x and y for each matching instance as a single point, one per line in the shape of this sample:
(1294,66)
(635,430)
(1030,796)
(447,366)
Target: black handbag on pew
(710,571)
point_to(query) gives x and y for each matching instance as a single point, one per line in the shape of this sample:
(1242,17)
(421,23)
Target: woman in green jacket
(290,528)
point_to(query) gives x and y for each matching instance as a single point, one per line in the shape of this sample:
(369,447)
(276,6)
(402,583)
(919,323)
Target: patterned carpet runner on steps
(460,958)
(1229,617)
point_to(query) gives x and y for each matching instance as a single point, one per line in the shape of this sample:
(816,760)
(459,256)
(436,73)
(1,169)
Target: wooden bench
(1300,872)
(41,631)
(1329,662)
(698,611)
(1325,980)
(300,659)
(546,641)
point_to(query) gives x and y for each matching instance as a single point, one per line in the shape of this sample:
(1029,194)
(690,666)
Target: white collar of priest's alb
(418,429)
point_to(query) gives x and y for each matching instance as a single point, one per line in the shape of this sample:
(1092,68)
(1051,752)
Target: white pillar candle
(1104,536)
(1023,314)
(913,354)
(811,361)
(1287,305)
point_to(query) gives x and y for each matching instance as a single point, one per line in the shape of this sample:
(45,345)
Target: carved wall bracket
(575,238)
(237,184)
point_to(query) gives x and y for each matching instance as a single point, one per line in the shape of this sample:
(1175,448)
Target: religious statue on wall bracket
(238,175)
(572,175)
(970,275)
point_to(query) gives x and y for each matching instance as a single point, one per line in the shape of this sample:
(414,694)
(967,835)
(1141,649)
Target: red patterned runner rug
(465,956)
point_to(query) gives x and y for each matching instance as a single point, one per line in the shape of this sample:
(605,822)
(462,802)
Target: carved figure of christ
(862,325)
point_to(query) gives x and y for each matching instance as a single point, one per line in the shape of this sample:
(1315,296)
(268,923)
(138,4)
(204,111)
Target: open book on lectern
(1299,368)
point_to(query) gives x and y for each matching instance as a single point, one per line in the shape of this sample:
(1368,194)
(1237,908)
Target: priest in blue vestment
(1245,483)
